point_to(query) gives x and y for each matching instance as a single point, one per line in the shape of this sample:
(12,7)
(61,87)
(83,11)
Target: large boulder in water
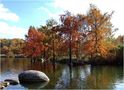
(37,85)
(31,76)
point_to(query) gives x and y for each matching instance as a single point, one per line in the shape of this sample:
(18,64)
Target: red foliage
(34,46)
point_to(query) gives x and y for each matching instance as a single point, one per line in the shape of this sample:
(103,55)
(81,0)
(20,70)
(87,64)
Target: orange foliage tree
(34,46)
(76,35)
(99,30)
(52,38)
(69,31)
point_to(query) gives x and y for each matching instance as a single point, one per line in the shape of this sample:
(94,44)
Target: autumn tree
(17,45)
(4,50)
(76,35)
(120,40)
(99,30)
(11,45)
(69,31)
(51,37)
(34,46)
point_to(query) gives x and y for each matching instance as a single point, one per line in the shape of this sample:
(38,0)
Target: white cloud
(8,31)
(6,14)
(74,6)
(50,14)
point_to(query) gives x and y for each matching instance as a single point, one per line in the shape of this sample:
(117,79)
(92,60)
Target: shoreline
(76,62)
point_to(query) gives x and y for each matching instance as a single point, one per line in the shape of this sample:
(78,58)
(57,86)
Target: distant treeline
(11,47)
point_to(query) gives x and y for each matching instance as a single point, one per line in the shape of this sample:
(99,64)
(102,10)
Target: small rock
(2,87)
(11,81)
(32,76)
(6,84)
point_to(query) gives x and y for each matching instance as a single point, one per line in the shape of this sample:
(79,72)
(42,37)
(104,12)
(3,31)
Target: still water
(62,77)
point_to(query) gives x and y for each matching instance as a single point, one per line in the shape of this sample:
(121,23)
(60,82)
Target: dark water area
(62,76)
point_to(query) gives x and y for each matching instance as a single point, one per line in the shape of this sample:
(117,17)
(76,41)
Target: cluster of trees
(10,47)
(75,36)
(82,36)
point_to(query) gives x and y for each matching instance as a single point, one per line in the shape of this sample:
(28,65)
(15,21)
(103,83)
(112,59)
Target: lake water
(62,77)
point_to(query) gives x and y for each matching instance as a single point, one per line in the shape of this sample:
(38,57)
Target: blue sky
(17,15)
(28,11)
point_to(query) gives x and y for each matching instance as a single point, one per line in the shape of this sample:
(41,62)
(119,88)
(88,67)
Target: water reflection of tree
(71,77)
(14,64)
(103,77)
(86,78)
(64,80)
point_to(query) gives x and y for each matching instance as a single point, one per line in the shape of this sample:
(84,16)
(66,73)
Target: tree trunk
(70,51)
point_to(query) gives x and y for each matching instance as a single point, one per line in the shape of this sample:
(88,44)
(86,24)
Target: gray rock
(6,84)
(31,76)
(11,81)
(37,85)
(2,87)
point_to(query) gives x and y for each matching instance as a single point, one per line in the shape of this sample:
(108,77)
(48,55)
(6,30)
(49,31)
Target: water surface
(62,76)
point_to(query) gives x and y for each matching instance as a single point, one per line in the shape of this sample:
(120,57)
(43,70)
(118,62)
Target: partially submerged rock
(11,81)
(32,76)
(6,84)
(3,84)
(2,87)
(37,85)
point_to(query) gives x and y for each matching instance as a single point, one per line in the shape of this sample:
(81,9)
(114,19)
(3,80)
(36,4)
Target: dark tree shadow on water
(70,71)
(70,74)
